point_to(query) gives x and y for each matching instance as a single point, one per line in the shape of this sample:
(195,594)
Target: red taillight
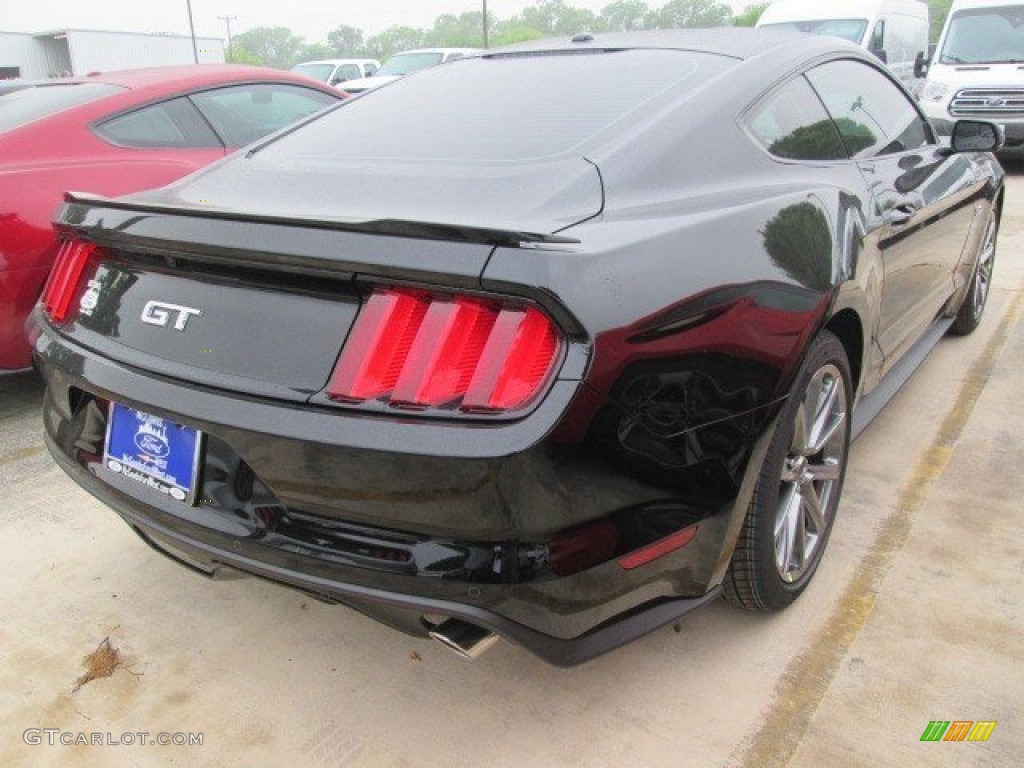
(417,351)
(72,258)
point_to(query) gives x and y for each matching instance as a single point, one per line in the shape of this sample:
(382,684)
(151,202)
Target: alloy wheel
(983,276)
(811,473)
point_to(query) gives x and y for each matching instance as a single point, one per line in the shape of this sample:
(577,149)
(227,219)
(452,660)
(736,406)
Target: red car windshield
(30,104)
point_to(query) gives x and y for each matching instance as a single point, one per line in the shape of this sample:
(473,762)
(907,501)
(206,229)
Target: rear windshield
(502,109)
(26,106)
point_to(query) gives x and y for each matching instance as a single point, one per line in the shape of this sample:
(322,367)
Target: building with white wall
(81,51)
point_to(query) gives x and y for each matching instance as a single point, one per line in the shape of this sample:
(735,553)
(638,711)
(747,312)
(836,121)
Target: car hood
(367,83)
(976,75)
(539,197)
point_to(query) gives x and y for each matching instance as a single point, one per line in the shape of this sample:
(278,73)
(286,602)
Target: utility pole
(485,24)
(192,28)
(227,23)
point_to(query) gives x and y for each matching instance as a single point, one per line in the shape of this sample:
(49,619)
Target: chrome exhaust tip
(465,639)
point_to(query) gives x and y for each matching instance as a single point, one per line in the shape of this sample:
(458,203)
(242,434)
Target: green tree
(345,42)
(626,15)
(748,16)
(315,51)
(554,17)
(241,55)
(463,31)
(392,40)
(270,46)
(938,10)
(512,31)
(692,13)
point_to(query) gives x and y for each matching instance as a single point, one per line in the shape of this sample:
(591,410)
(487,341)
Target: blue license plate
(153,451)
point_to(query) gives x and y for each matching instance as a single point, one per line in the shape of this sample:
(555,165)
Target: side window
(370,69)
(350,72)
(878,36)
(241,114)
(873,115)
(792,123)
(169,124)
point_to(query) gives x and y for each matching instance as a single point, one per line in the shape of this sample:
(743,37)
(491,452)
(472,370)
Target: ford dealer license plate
(153,451)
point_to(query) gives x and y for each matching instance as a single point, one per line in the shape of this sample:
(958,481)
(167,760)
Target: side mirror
(338,79)
(976,136)
(882,55)
(920,65)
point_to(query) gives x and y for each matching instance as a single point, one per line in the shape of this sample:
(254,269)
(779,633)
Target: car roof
(734,42)
(185,76)
(438,50)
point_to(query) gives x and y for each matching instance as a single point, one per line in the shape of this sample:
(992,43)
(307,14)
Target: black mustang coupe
(553,343)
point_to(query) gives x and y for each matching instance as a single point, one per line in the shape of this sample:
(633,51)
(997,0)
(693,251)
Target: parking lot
(914,616)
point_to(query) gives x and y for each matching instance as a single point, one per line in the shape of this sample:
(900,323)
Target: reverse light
(72,258)
(415,350)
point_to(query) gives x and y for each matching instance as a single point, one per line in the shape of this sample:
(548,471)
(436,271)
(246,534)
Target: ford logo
(995,101)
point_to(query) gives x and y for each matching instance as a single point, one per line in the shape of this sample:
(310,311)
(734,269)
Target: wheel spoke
(824,472)
(799,442)
(822,430)
(786,522)
(828,431)
(813,504)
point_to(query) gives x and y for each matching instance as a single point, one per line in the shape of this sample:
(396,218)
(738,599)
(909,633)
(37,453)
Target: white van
(894,30)
(336,71)
(405,63)
(978,69)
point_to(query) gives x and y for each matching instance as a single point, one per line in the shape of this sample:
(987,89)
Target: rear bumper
(400,610)
(466,523)
(19,290)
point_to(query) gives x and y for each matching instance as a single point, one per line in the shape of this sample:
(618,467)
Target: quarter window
(793,124)
(168,124)
(873,115)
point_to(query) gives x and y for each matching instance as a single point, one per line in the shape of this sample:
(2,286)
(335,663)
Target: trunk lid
(537,197)
(216,331)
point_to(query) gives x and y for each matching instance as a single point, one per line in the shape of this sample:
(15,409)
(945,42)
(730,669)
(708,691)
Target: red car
(118,133)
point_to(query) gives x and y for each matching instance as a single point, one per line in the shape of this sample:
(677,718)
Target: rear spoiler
(394,227)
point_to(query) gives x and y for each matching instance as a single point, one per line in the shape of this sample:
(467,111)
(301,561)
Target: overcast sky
(312,19)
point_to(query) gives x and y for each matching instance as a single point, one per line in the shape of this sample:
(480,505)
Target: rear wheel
(969,316)
(797,493)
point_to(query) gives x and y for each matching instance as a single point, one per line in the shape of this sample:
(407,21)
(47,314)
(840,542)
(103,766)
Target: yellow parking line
(23,453)
(807,678)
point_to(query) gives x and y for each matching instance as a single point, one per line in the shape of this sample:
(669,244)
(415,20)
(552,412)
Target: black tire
(968,317)
(784,535)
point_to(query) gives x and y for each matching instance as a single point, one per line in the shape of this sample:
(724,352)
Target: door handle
(900,214)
